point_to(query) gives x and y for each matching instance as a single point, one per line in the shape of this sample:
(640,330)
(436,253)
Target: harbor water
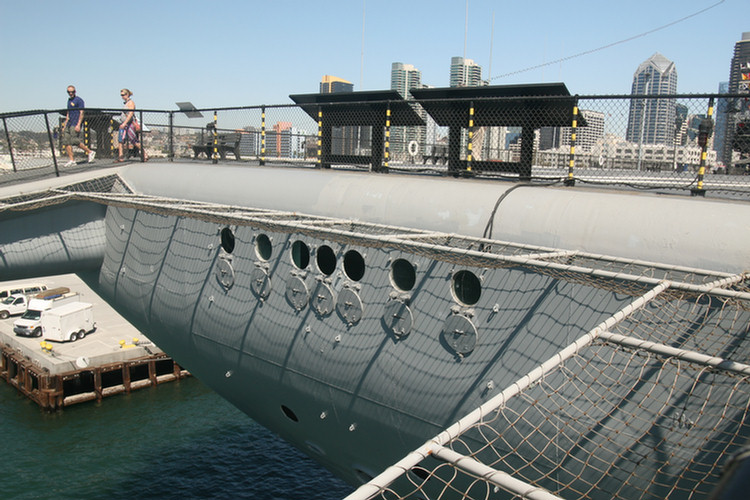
(176,441)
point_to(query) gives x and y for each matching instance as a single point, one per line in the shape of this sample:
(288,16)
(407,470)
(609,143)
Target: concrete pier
(111,360)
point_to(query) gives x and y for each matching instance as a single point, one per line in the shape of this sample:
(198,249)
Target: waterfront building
(652,121)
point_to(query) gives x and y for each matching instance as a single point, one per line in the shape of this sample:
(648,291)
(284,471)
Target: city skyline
(238,53)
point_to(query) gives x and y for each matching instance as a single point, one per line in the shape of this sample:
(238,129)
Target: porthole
(300,254)
(466,287)
(326,260)
(227,240)
(403,275)
(289,413)
(263,246)
(354,265)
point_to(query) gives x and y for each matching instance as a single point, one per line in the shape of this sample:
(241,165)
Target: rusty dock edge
(54,392)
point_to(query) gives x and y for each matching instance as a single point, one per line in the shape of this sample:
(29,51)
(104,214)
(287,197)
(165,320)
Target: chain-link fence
(695,143)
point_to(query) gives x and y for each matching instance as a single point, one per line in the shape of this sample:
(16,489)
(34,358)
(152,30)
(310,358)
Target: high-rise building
(739,83)
(652,121)
(465,73)
(333,84)
(405,77)
(720,129)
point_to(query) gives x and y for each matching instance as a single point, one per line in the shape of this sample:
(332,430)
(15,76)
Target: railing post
(86,139)
(470,139)
(320,137)
(112,138)
(215,155)
(171,136)
(704,133)
(140,137)
(263,135)
(51,145)
(570,181)
(10,146)
(387,144)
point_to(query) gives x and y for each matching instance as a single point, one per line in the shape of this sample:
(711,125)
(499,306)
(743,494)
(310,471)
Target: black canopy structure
(354,109)
(527,106)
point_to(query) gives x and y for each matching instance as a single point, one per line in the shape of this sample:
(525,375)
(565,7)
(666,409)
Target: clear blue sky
(232,53)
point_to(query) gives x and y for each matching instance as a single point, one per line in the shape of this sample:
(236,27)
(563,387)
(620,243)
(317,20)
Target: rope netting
(649,404)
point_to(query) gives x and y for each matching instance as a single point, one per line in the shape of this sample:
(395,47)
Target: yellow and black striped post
(704,133)
(470,138)
(570,181)
(86,139)
(387,150)
(113,139)
(215,155)
(320,137)
(263,135)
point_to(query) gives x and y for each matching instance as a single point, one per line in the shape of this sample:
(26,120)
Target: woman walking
(129,126)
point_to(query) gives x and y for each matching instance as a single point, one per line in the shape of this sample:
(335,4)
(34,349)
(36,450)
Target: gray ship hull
(358,338)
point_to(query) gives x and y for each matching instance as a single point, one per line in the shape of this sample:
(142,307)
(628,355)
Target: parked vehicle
(12,306)
(21,288)
(68,322)
(30,323)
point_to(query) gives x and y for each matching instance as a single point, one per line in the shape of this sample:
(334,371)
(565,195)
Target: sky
(222,53)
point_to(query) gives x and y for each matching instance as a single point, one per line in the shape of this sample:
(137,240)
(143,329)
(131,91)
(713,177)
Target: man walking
(72,126)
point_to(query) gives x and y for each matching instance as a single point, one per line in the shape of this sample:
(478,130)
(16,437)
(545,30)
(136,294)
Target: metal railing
(689,143)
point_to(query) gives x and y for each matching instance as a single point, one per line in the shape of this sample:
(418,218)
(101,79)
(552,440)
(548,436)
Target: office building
(333,84)
(651,120)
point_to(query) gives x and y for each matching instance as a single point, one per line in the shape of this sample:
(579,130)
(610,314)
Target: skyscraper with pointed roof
(652,121)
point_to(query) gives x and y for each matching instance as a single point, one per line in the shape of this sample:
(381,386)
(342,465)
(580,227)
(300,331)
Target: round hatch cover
(398,317)
(297,293)
(349,306)
(460,334)
(225,273)
(322,299)
(260,282)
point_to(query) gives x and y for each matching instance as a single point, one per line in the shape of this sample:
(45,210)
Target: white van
(6,290)
(30,324)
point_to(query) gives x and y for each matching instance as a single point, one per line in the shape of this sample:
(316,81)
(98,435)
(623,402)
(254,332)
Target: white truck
(30,323)
(14,305)
(68,322)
